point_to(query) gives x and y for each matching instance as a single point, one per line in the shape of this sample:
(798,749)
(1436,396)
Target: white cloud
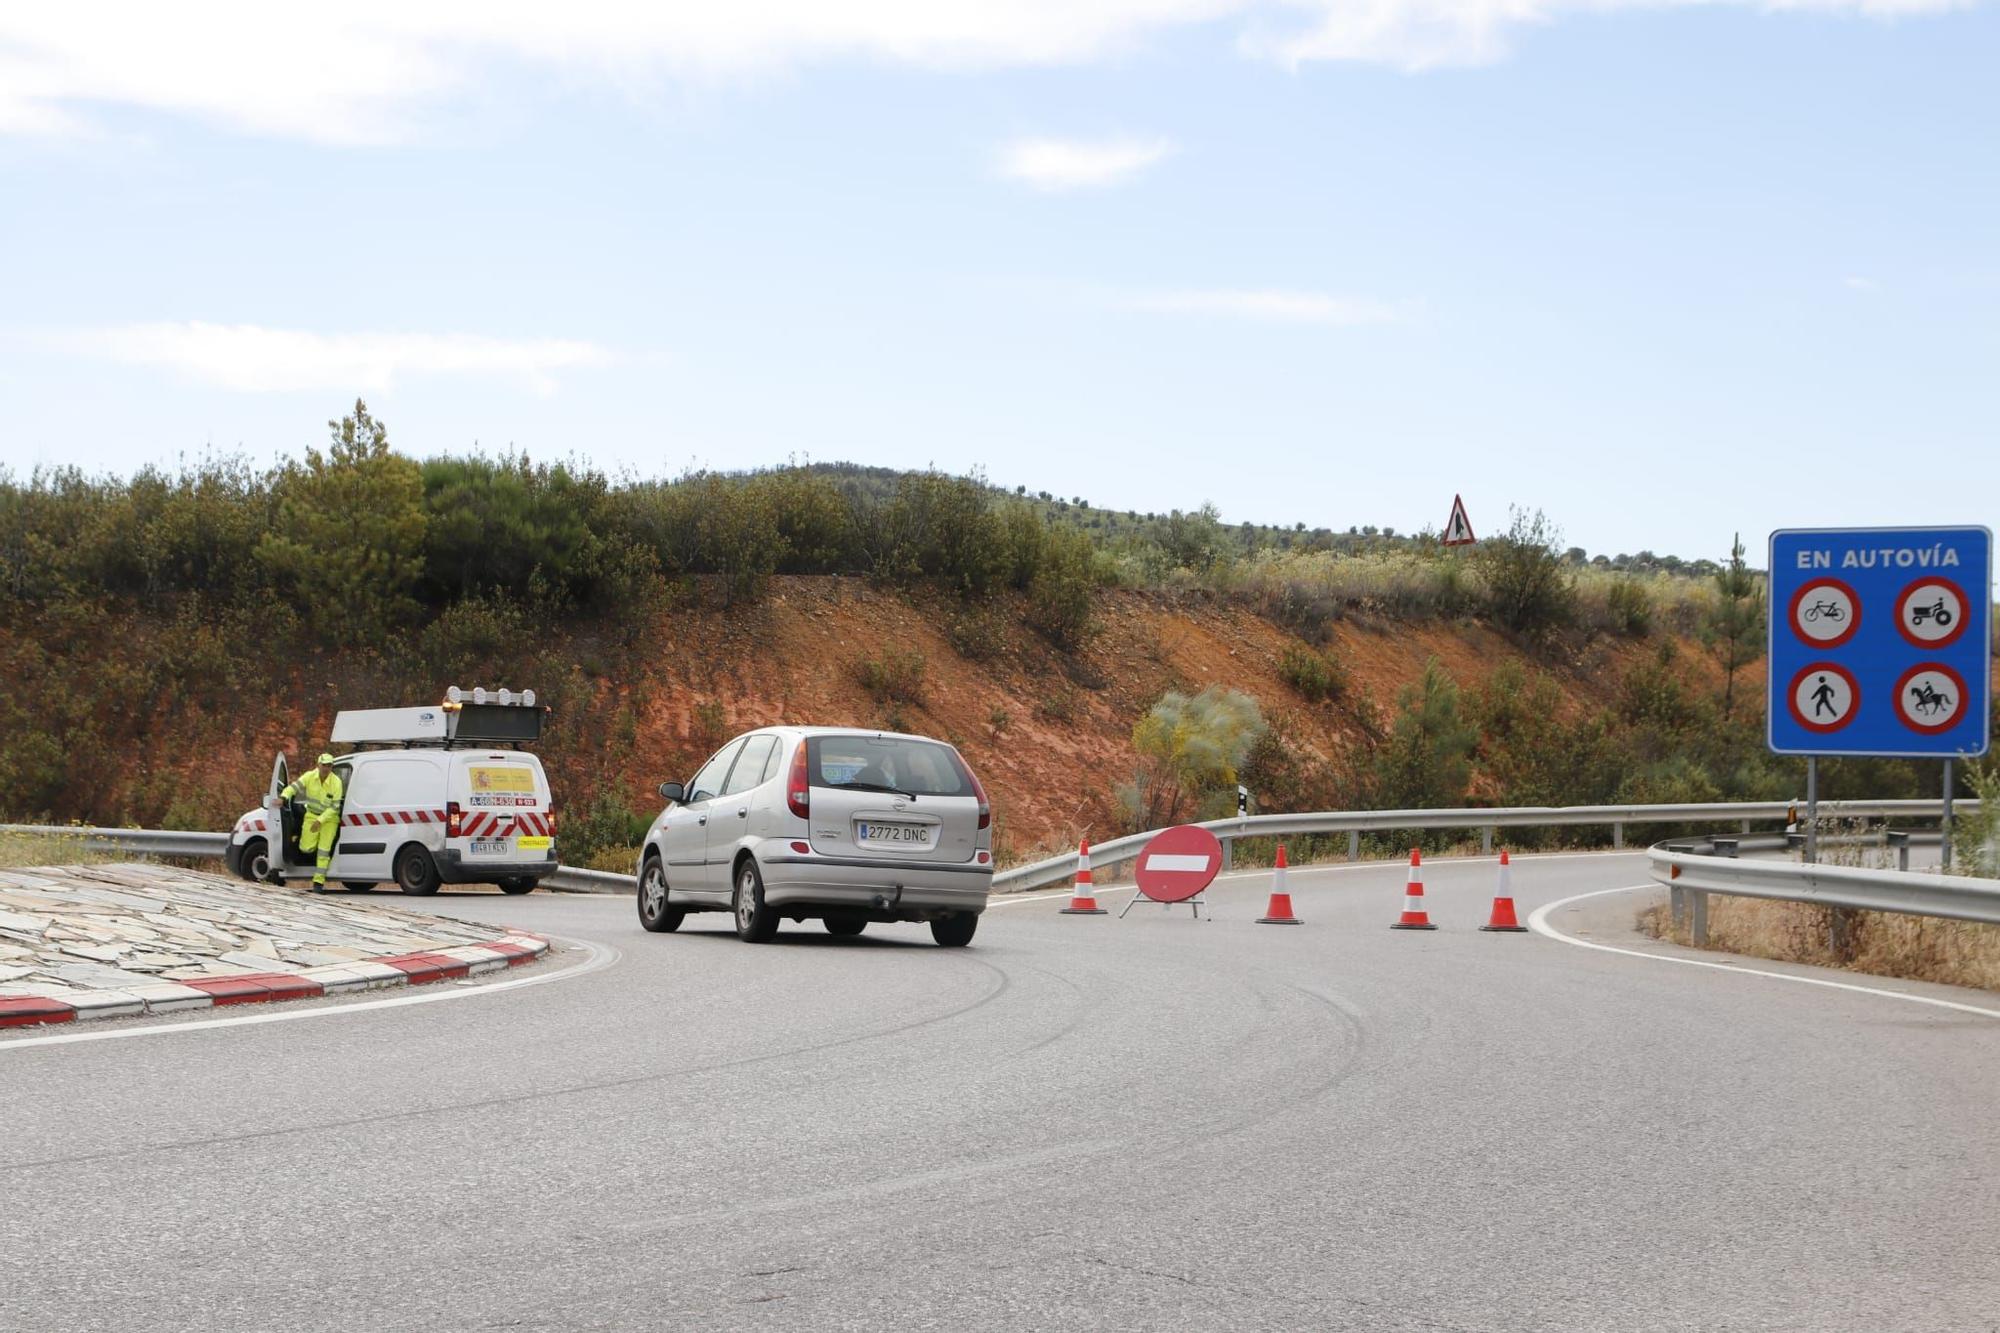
(366,70)
(1276,306)
(253,359)
(1069,164)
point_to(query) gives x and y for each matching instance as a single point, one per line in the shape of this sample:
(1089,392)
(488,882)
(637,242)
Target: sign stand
(1197,903)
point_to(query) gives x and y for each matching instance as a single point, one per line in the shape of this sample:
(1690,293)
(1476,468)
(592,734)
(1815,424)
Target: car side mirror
(672,791)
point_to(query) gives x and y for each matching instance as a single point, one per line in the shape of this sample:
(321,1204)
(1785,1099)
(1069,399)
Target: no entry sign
(1178,864)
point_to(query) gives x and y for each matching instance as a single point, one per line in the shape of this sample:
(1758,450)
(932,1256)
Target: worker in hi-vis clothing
(323,791)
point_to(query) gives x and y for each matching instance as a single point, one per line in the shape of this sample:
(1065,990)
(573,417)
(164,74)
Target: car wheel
(255,862)
(517,884)
(755,921)
(359,885)
(415,872)
(955,931)
(655,912)
(846,925)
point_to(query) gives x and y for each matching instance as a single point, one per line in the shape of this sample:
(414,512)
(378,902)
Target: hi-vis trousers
(317,833)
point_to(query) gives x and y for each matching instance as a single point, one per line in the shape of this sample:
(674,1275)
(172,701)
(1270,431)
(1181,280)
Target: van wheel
(846,924)
(415,872)
(255,861)
(955,931)
(655,912)
(518,884)
(756,923)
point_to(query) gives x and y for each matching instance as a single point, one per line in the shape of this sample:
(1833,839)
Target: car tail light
(798,792)
(978,789)
(454,819)
(802,847)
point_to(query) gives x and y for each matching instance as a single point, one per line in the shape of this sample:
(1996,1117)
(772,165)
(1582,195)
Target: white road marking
(1538,921)
(601,956)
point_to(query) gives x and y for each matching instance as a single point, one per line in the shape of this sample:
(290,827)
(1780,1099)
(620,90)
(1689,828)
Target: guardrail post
(1746,828)
(1724,847)
(1228,852)
(1486,841)
(1900,840)
(1354,845)
(1676,906)
(1698,928)
(1618,836)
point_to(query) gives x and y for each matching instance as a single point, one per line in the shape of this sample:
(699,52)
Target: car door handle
(744,813)
(702,820)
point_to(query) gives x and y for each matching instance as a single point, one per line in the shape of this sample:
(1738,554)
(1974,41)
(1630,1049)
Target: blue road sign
(1881,641)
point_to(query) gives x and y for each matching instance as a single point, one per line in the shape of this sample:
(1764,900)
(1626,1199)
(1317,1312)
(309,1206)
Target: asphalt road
(1076,1123)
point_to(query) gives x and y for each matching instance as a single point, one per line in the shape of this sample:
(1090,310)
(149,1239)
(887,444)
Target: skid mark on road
(1538,921)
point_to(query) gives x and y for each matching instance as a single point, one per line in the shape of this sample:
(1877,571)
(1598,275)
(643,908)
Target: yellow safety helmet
(326,759)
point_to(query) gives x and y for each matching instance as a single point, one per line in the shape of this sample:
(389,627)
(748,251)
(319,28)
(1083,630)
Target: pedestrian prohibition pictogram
(1880,641)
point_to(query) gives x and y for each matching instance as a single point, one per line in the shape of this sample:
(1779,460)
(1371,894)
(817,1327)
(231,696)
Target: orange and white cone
(1279,913)
(1081,903)
(1414,917)
(1503,900)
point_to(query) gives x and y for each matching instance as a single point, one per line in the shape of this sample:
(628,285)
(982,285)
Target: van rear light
(549,818)
(454,820)
(798,792)
(978,789)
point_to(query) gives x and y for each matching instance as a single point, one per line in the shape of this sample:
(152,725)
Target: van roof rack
(466,717)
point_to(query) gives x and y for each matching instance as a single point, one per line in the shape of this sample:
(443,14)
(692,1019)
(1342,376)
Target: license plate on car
(488,846)
(908,835)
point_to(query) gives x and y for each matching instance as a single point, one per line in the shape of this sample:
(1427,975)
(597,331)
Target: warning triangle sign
(1458,528)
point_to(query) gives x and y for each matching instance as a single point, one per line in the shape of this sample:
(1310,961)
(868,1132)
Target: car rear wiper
(874,786)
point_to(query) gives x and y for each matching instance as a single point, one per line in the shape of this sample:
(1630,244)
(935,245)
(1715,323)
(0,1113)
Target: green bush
(1317,676)
(1528,588)
(1060,597)
(1191,747)
(894,677)
(1630,608)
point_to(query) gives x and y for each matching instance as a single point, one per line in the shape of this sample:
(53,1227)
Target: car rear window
(922,768)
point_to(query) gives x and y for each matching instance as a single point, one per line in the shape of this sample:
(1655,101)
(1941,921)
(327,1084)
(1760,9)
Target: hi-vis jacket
(322,794)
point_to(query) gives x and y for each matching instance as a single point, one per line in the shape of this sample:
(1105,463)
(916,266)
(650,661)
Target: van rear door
(504,811)
(890,798)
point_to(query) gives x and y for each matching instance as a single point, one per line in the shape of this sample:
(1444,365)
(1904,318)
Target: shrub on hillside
(1317,676)
(1630,608)
(1061,595)
(1528,588)
(894,677)
(1190,747)
(1426,762)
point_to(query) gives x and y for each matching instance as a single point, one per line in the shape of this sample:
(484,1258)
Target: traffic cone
(1081,903)
(1279,913)
(1414,917)
(1503,900)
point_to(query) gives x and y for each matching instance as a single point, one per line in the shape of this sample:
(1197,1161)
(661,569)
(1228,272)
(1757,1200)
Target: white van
(440,803)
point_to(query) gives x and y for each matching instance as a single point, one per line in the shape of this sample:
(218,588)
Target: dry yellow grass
(20,850)
(1883,944)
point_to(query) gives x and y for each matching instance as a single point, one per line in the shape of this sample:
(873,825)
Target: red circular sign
(1824,697)
(1929,698)
(1179,863)
(1830,617)
(1927,610)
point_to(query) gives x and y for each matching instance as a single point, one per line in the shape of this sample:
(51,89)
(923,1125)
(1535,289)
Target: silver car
(823,822)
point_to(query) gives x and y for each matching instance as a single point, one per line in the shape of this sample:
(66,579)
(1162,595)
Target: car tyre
(416,873)
(254,863)
(955,931)
(844,924)
(756,923)
(656,910)
(517,884)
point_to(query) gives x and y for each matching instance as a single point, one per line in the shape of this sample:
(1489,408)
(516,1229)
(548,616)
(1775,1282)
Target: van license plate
(488,846)
(910,835)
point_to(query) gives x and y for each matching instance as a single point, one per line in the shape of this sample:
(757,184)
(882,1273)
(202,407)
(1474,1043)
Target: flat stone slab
(130,929)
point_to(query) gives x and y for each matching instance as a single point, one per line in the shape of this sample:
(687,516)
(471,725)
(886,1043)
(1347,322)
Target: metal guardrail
(1354,823)
(1117,851)
(1692,875)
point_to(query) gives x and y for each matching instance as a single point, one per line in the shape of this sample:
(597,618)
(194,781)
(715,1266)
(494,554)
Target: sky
(1666,271)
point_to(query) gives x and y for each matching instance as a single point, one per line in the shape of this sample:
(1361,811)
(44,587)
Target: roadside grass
(19,851)
(1882,944)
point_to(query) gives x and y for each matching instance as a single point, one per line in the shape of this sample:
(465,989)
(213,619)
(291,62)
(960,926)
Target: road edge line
(1538,922)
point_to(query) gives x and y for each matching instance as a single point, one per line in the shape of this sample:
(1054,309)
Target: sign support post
(1812,809)
(1945,825)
